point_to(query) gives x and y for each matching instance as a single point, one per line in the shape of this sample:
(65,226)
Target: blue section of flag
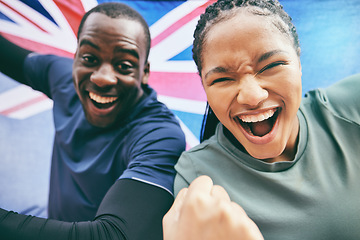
(36,5)
(184,55)
(4,17)
(191,120)
(152,11)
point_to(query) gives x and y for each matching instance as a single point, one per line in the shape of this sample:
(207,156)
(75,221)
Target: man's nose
(251,92)
(104,76)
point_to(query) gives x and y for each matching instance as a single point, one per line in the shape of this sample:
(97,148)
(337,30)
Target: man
(113,138)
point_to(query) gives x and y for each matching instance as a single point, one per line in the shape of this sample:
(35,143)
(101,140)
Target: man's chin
(101,122)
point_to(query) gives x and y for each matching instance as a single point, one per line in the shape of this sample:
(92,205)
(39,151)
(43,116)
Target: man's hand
(205,211)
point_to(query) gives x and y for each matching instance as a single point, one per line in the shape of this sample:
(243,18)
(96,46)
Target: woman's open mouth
(259,124)
(102,102)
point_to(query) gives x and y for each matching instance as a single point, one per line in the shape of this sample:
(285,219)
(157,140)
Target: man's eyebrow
(130,51)
(117,49)
(267,55)
(87,42)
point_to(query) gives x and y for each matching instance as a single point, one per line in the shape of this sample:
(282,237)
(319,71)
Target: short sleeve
(48,73)
(155,153)
(185,173)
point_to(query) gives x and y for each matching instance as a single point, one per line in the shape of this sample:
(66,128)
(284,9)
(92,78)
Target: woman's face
(252,78)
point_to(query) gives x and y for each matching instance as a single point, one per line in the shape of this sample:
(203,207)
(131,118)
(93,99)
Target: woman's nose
(104,76)
(251,92)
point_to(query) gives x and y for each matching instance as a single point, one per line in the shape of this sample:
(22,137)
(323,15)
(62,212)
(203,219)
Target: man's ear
(145,78)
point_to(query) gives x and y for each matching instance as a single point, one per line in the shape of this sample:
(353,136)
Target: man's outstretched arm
(130,210)
(12,59)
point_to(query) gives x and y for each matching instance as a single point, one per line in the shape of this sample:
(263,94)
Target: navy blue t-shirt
(88,160)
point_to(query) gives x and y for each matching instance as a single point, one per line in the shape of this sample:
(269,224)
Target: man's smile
(102,101)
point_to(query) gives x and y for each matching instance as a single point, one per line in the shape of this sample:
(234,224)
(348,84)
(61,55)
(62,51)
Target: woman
(292,164)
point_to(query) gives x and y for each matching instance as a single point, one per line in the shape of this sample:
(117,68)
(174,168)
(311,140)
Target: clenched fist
(205,211)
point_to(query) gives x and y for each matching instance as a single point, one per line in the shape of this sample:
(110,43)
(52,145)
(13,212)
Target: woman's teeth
(258,117)
(101,99)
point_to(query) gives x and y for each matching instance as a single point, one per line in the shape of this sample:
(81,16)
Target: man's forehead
(119,24)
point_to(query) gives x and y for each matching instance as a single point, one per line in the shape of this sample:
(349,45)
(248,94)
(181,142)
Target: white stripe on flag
(173,16)
(32,110)
(184,105)
(14,103)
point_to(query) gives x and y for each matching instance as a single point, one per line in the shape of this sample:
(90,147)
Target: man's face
(109,66)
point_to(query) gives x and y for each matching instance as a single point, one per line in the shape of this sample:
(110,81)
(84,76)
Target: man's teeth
(101,99)
(258,117)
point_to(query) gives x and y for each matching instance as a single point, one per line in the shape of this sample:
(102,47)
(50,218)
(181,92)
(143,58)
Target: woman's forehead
(243,39)
(242,30)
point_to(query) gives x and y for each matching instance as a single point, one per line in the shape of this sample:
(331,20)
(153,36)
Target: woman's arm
(130,210)
(205,211)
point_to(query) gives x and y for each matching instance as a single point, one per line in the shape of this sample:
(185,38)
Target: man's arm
(205,211)
(12,59)
(130,210)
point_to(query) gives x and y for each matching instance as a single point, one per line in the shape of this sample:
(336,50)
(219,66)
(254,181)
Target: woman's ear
(298,51)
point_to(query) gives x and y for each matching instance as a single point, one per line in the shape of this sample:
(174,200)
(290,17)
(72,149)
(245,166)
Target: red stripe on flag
(36,46)
(23,105)
(187,18)
(73,12)
(180,85)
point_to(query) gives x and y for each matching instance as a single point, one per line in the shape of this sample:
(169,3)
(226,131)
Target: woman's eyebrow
(267,55)
(216,70)
(263,57)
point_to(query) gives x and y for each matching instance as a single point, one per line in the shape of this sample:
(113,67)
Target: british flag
(49,26)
